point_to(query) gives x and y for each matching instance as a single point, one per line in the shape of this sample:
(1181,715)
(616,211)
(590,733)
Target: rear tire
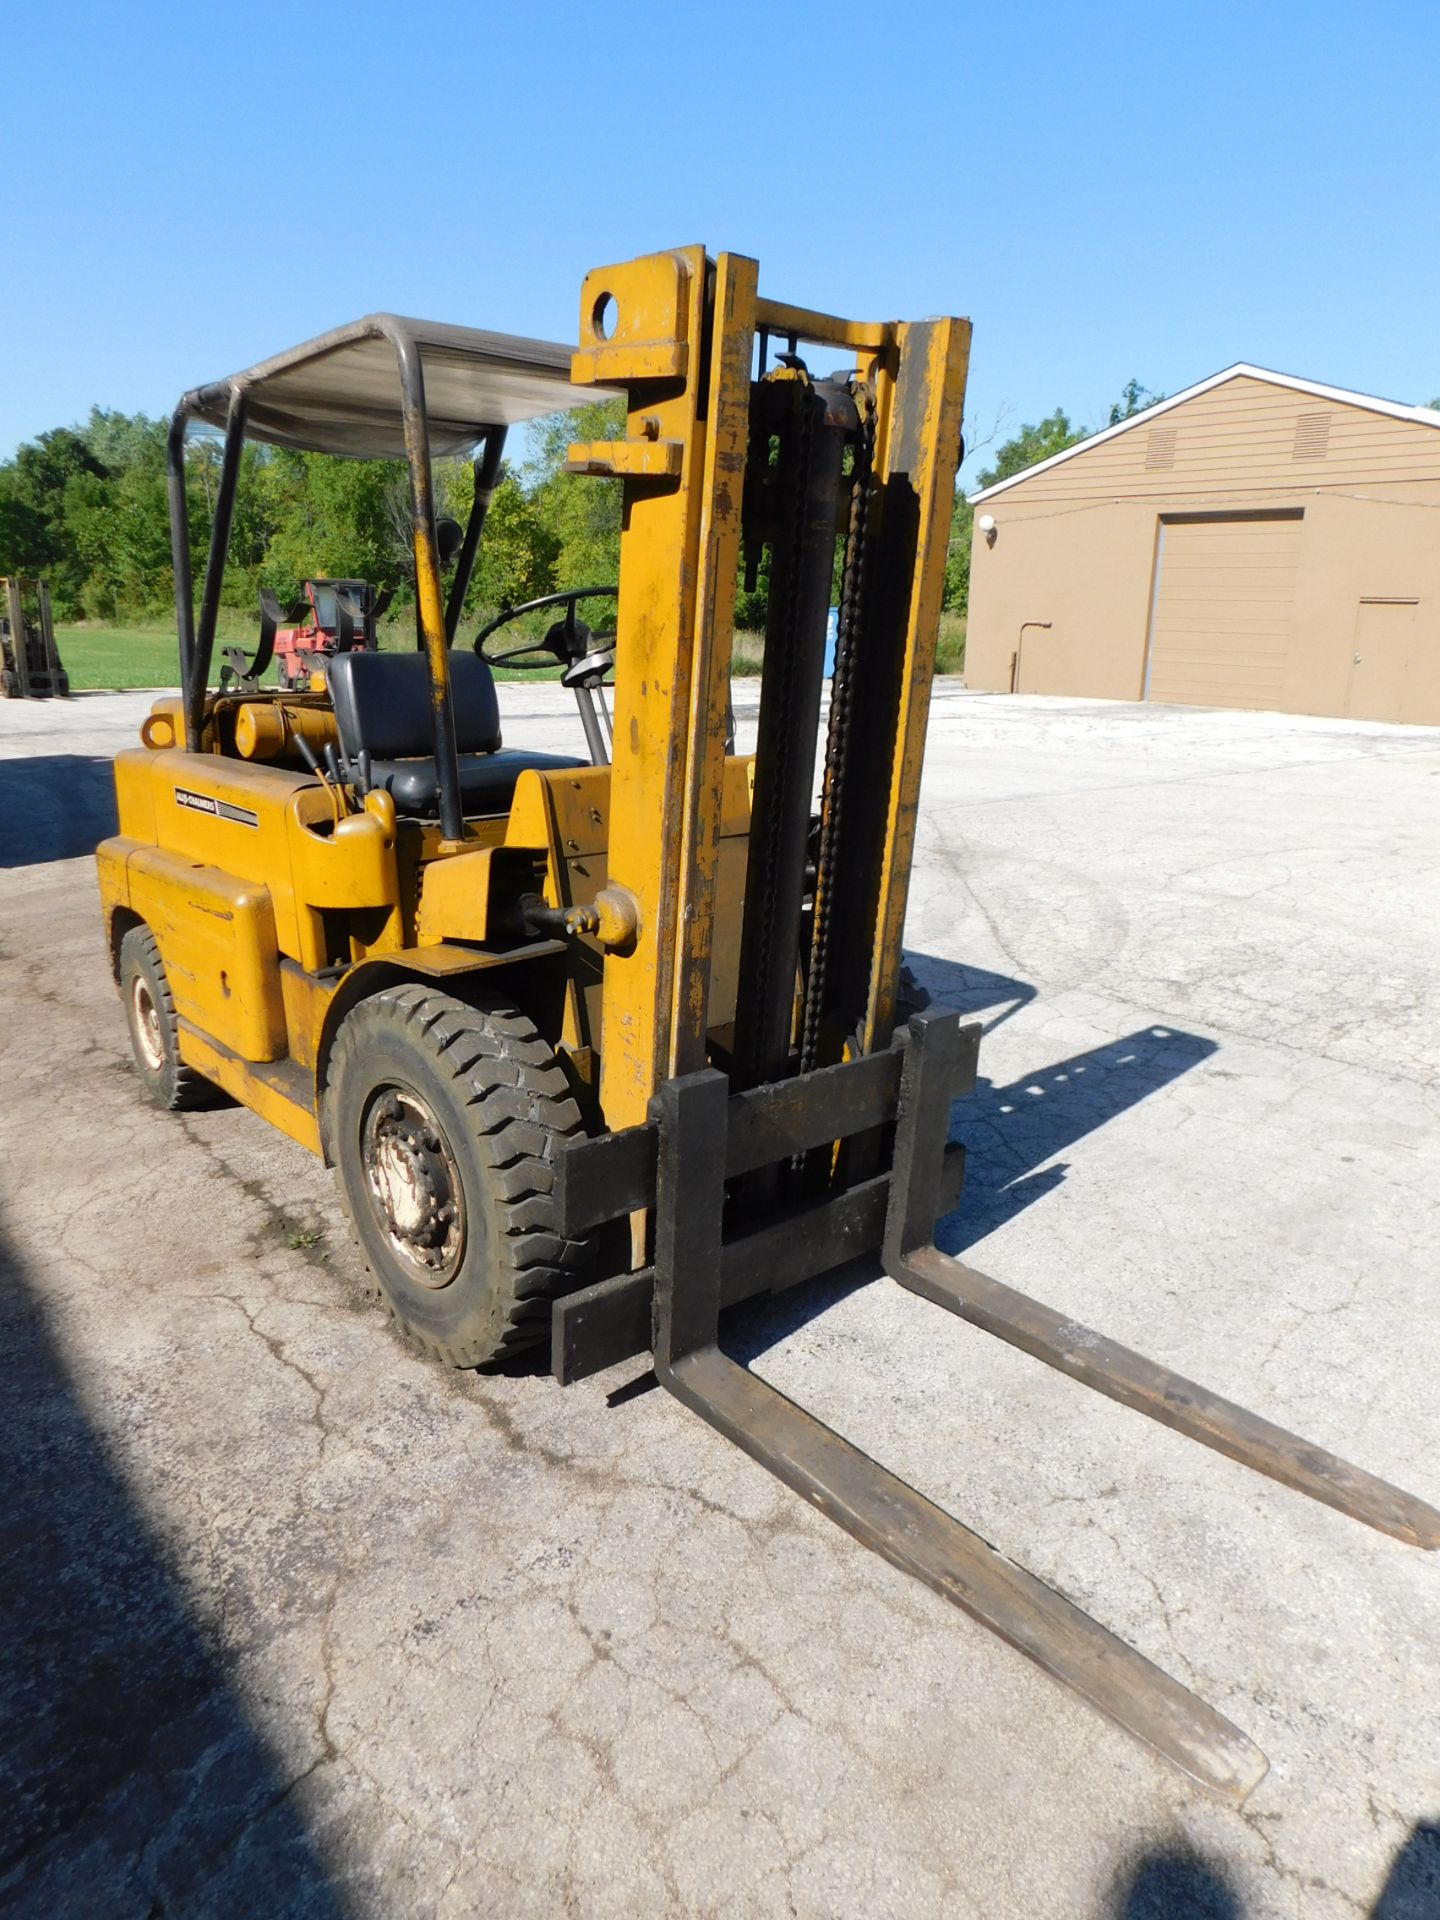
(154,1029)
(443,1122)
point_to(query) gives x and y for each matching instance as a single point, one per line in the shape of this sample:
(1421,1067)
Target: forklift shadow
(54,806)
(1176,1886)
(1011,1136)
(1412,1889)
(1011,1132)
(131,1778)
(969,990)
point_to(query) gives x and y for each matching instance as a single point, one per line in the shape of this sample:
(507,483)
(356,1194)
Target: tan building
(1256,541)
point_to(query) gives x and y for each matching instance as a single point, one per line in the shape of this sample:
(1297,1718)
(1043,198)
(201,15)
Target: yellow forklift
(600,1046)
(30,666)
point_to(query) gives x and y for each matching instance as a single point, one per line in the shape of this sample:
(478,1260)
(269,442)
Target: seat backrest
(382,704)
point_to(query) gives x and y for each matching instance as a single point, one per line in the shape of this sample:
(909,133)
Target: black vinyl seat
(487,781)
(382,708)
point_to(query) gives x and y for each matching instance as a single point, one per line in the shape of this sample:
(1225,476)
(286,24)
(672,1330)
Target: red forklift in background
(334,616)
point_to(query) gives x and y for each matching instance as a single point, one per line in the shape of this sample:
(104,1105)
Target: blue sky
(1106,190)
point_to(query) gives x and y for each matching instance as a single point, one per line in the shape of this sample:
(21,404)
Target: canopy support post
(202,645)
(487,475)
(429,607)
(180,553)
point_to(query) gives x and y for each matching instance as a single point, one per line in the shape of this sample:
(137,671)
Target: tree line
(86,507)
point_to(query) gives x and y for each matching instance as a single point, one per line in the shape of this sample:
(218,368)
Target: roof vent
(1312,436)
(1160,450)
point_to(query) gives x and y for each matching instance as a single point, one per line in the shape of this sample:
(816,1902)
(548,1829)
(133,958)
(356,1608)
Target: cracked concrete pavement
(296,1623)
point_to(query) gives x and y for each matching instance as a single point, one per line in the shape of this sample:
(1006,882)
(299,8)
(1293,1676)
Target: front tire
(443,1122)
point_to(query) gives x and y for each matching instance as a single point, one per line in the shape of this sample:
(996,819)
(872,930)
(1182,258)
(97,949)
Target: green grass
(748,655)
(950,648)
(148,656)
(112,657)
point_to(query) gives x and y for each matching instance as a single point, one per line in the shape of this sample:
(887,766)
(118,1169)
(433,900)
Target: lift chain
(785,678)
(842,708)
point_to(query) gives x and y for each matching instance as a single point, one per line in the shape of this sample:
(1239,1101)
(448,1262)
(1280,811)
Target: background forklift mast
(597,1049)
(30,666)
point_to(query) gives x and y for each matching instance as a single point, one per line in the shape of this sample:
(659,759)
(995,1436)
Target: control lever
(322,773)
(312,759)
(341,772)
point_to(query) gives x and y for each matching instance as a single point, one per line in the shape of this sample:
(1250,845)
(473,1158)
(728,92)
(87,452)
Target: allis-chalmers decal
(222,809)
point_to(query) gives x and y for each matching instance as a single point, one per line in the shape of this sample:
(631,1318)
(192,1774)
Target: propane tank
(268,729)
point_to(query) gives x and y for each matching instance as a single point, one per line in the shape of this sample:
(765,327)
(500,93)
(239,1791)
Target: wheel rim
(145,1019)
(413,1185)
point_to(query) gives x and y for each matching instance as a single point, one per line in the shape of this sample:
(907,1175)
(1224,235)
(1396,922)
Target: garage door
(1224,611)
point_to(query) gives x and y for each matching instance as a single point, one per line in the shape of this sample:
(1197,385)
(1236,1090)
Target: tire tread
(187,1088)
(514,1093)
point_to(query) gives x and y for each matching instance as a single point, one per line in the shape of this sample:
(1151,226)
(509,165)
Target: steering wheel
(585,655)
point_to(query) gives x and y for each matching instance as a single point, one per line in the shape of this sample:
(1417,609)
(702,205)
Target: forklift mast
(723,450)
(812,1129)
(30,666)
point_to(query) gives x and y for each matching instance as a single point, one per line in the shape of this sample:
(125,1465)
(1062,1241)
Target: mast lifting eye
(603,316)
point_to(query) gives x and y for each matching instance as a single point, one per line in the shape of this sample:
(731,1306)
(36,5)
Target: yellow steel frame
(659,327)
(677,331)
(274,907)
(917,448)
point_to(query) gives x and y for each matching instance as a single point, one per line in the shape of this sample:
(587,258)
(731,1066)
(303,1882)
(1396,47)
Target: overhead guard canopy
(340,392)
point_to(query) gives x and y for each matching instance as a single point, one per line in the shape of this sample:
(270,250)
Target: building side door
(1039,660)
(1222,620)
(1379,668)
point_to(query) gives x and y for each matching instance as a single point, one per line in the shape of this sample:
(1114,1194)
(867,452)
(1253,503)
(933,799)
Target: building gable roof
(1420,416)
